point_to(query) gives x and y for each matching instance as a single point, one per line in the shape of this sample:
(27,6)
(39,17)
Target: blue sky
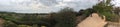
(46,6)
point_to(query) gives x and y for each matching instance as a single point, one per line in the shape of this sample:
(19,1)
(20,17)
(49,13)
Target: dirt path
(1,22)
(94,21)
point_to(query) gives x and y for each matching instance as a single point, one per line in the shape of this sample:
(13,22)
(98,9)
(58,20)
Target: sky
(46,6)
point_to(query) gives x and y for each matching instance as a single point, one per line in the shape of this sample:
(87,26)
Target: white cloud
(116,2)
(43,6)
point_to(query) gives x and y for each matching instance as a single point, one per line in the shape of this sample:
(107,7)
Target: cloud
(116,2)
(43,6)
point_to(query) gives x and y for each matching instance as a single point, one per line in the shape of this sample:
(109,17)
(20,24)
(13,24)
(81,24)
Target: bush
(24,26)
(65,18)
(9,24)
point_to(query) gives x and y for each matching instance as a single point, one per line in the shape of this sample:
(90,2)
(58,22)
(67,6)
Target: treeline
(14,19)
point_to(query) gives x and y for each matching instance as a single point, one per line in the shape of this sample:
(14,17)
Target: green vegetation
(65,18)
(105,8)
(9,24)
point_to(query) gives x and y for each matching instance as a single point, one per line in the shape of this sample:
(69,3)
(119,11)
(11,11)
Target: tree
(116,10)
(105,8)
(65,18)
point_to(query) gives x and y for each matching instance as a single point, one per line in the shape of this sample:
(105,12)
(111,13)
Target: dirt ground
(113,24)
(94,21)
(1,22)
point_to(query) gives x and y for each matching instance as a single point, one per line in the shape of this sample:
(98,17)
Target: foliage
(65,18)
(116,10)
(11,18)
(105,8)
(23,26)
(29,18)
(9,24)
